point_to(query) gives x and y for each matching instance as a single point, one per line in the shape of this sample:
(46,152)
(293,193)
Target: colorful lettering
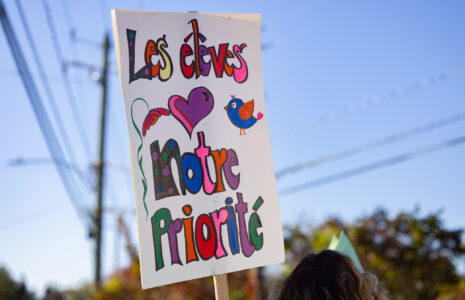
(218,59)
(207,240)
(152,48)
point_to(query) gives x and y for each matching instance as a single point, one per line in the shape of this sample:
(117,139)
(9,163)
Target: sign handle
(221,287)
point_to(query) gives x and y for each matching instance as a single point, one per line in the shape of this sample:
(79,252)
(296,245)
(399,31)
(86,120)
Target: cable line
(69,19)
(105,16)
(41,115)
(373,101)
(371,167)
(20,161)
(372,145)
(66,81)
(51,99)
(31,217)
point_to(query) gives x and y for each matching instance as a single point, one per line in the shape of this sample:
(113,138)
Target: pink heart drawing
(191,111)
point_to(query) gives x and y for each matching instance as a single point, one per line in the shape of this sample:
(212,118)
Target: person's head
(329,275)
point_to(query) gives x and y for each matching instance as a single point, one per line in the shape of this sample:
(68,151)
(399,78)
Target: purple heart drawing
(191,111)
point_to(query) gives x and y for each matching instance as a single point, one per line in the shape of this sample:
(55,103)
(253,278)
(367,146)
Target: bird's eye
(233,105)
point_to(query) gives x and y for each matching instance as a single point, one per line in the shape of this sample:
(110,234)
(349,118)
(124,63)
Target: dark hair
(329,275)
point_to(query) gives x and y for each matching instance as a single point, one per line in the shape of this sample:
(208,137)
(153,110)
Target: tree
(52,293)
(453,292)
(125,284)
(10,289)
(412,255)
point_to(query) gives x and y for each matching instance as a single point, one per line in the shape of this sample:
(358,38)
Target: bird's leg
(240,131)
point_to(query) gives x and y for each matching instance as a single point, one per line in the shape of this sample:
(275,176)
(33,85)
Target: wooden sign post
(221,286)
(206,195)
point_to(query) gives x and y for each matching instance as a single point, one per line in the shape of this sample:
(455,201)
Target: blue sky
(321,57)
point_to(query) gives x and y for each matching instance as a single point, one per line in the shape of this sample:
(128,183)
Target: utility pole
(100,167)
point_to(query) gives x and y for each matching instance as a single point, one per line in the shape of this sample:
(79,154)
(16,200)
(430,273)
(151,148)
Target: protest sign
(206,195)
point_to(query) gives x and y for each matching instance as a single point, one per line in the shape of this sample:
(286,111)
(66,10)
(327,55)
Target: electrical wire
(51,99)
(42,117)
(75,52)
(20,161)
(69,19)
(372,145)
(51,77)
(103,6)
(313,121)
(31,217)
(371,167)
(66,81)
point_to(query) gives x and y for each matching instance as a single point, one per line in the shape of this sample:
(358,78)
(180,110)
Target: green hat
(343,246)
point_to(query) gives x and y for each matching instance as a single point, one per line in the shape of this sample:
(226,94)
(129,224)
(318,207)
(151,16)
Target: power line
(41,114)
(69,19)
(105,17)
(118,167)
(66,81)
(372,166)
(372,145)
(73,39)
(51,99)
(51,77)
(373,101)
(30,217)
(124,170)
(20,161)
(73,31)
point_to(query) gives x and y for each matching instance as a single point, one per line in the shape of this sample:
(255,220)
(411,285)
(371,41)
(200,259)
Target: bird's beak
(226,108)
(250,102)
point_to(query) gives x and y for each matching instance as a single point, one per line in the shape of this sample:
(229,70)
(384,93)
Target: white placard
(206,194)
